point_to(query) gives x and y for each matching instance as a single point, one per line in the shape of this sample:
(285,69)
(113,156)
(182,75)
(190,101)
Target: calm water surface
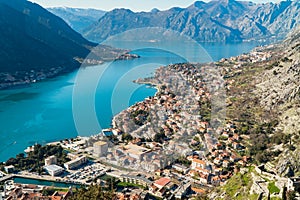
(46,112)
(44,183)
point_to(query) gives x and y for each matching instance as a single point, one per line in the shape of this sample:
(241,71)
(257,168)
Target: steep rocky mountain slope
(36,44)
(284,77)
(271,91)
(280,91)
(31,37)
(263,101)
(215,21)
(78,18)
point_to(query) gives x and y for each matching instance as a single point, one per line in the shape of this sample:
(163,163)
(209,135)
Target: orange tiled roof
(201,170)
(215,178)
(197,190)
(56,197)
(202,162)
(162,181)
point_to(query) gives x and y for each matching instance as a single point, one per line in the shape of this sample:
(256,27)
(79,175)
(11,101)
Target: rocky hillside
(78,18)
(215,21)
(280,91)
(31,37)
(36,44)
(263,101)
(284,76)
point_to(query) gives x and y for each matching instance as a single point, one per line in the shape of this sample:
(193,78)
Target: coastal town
(150,100)
(21,78)
(169,146)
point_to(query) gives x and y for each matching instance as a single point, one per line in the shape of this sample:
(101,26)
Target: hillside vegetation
(263,100)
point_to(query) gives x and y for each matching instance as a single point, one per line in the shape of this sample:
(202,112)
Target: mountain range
(79,19)
(215,21)
(32,38)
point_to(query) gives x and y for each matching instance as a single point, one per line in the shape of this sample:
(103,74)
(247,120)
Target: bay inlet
(43,112)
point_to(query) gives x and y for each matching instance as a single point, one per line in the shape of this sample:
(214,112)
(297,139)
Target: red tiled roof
(202,162)
(201,170)
(215,178)
(162,181)
(56,197)
(198,190)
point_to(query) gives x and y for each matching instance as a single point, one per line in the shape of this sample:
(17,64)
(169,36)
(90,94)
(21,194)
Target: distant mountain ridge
(78,18)
(215,21)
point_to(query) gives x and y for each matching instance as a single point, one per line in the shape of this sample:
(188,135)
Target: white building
(182,190)
(135,151)
(136,179)
(198,163)
(100,148)
(75,163)
(180,168)
(54,170)
(51,160)
(9,169)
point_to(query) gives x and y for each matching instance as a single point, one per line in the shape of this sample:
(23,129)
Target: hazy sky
(136,5)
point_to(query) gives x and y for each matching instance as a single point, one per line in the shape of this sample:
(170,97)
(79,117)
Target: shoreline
(148,83)
(34,76)
(178,110)
(140,82)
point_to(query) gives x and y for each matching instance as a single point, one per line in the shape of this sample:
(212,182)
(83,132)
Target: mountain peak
(217,20)
(155,10)
(199,4)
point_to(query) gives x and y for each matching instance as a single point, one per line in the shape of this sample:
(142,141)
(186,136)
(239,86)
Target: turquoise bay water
(44,183)
(84,101)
